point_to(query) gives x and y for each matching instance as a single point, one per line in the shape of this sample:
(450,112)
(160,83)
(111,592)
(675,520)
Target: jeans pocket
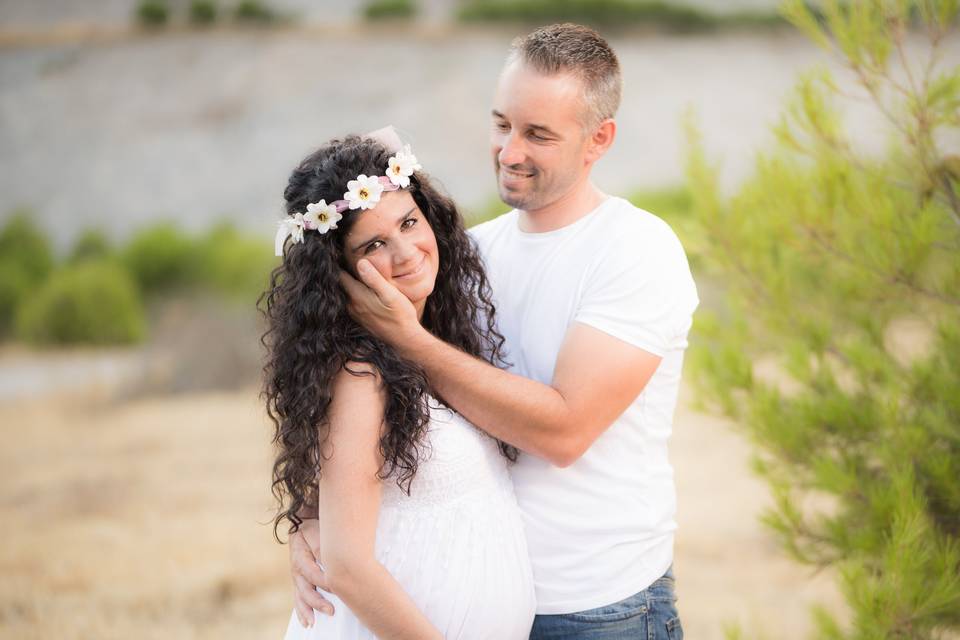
(674,630)
(635,605)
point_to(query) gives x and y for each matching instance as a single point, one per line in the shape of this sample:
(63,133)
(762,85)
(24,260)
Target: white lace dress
(455,544)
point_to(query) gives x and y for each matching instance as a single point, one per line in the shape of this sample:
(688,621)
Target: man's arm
(595,379)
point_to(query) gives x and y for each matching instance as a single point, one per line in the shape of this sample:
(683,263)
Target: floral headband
(362,193)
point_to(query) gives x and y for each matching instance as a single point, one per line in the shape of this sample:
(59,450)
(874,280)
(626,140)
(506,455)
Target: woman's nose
(404,251)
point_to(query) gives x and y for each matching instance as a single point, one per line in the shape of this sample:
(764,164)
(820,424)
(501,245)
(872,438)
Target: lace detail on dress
(459,462)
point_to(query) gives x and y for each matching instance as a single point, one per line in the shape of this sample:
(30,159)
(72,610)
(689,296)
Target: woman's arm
(350,502)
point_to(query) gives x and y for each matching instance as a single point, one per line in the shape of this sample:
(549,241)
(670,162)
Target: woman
(420,532)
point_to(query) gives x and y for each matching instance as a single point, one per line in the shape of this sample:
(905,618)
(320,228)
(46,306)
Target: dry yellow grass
(146,519)
(139,521)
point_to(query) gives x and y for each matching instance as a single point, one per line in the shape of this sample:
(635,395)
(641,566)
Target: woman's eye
(411,221)
(373,246)
(503,127)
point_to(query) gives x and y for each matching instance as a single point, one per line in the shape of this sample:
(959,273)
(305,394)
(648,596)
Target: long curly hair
(310,337)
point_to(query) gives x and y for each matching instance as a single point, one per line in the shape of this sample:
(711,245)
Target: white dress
(455,544)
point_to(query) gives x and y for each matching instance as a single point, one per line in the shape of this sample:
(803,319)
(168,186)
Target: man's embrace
(594,298)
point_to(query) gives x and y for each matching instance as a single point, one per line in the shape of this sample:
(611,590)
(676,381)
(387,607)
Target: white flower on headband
(322,216)
(364,192)
(289,227)
(401,166)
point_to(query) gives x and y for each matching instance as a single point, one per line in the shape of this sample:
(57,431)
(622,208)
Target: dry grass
(145,519)
(140,521)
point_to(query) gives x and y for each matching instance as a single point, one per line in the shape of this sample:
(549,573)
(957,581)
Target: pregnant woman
(420,532)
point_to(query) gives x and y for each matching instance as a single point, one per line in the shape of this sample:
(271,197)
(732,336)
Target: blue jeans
(648,615)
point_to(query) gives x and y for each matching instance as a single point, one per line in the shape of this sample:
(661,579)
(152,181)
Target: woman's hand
(306,573)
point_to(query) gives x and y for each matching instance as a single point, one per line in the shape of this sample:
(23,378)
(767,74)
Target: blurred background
(144,148)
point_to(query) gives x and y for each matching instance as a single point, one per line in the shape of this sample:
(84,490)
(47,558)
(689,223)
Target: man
(594,298)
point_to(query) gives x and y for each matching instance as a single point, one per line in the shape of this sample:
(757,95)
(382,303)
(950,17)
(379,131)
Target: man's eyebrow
(400,220)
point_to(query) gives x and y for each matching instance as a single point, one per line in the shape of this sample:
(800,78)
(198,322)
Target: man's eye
(373,246)
(502,126)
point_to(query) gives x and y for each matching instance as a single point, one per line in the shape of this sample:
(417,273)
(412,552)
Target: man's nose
(512,152)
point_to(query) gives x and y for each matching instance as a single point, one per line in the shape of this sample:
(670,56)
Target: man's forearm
(530,415)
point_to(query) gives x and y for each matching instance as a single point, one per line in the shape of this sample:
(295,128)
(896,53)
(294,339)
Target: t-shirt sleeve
(643,295)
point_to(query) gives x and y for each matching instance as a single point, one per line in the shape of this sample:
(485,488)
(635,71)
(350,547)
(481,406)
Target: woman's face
(398,241)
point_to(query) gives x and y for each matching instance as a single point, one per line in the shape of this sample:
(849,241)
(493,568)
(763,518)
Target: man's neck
(564,211)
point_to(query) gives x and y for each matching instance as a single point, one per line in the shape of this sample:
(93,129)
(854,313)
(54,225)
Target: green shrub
(589,11)
(203,12)
(254,11)
(24,243)
(664,15)
(153,13)
(94,302)
(236,265)
(670,203)
(25,261)
(836,346)
(15,286)
(388,9)
(492,208)
(161,258)
(91,245)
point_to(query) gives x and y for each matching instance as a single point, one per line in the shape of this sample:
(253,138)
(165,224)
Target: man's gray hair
(582,52)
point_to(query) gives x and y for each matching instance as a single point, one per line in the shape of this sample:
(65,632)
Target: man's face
(537,138)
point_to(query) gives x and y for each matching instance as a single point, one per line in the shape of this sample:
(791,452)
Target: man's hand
(379,306)
(306,573)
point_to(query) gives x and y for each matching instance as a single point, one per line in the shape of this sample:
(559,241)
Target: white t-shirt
(601,529)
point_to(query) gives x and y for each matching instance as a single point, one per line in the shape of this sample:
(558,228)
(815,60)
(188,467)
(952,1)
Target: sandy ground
(146,518)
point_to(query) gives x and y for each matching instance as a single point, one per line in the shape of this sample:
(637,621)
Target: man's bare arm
(595,379)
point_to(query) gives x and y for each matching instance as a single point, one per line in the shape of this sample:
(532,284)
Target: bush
(588,11)
(254,11)
(670,203)
(203,12)
(491,209)
(161,258)
(25,261)
(23,242)
(840,274)
(95,302)
(153,13)
(389,9)
(15,287)
(236,265)
(669,16)
(91,245)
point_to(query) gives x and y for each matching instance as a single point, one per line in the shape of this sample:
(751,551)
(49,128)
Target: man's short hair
(582,52)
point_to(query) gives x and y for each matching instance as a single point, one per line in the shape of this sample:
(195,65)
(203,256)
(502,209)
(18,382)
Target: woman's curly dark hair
(310,337)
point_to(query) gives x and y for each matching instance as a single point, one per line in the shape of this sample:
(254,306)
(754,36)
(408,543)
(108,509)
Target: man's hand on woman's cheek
(378,305)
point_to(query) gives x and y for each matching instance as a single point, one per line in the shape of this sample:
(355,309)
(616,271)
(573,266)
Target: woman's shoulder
(357,381)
